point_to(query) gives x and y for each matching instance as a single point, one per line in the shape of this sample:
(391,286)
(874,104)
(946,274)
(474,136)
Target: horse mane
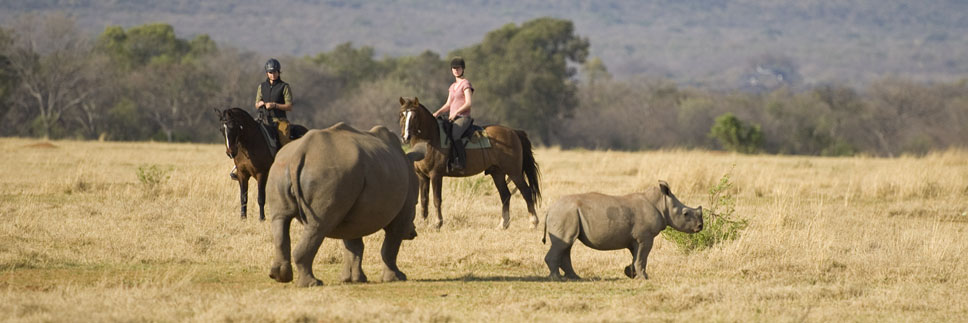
(242,115)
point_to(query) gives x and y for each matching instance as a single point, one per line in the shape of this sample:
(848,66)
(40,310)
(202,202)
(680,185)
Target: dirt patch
(42,145)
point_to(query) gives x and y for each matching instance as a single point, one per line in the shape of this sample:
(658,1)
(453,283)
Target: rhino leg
(304,253)
(566,265)
(641,258)
(437,181)
(502,190)
(389,251)
(526,194)
(281,268)
(630,269)
(563,228)
(353,261)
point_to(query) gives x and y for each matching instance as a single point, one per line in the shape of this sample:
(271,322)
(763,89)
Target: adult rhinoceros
(345,184)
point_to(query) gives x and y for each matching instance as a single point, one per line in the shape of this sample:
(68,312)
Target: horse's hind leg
(502,190)
(244,192)
(526,193)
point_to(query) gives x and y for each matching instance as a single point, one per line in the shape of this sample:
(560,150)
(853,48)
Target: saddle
(473,138)
(268,129)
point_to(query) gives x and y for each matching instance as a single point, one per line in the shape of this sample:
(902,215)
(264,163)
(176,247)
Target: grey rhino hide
(341,183)
(607,222)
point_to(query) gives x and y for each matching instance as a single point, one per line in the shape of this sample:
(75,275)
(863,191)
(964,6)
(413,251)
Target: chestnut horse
(510,154)
(247,146)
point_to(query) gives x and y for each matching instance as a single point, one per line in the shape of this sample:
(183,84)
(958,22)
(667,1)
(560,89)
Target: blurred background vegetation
(881,78)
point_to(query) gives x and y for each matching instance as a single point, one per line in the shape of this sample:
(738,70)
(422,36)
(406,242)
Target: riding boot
(459,155)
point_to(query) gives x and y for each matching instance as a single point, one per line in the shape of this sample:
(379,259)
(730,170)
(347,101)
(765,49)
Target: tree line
(146,83)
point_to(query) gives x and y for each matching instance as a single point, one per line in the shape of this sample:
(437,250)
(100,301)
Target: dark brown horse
(245,143)
(509,155)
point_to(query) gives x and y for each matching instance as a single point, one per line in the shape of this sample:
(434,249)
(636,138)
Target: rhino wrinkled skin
(607,222)
(341,183)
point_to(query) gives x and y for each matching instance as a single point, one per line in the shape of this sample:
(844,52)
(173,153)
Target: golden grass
(830,239)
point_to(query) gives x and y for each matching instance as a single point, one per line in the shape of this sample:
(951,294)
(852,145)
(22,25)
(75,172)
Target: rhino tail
(544,235)
(301,204)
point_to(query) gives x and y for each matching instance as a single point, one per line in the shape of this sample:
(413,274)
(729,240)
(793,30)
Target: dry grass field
(829,239)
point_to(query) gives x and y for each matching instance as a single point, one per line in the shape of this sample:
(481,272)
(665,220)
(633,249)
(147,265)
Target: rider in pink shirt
(458,105)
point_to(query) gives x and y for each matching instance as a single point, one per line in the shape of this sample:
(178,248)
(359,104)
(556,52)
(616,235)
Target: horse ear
(402,101)
(416,101)
(217,111)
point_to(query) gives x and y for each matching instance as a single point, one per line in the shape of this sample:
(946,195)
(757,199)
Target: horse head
(415,120)
(231,129)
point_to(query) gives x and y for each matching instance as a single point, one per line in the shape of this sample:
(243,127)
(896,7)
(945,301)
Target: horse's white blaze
(406,127)
(226,128)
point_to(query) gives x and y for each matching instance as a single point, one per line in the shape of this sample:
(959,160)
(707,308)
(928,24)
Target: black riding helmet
(457,62)
(272,65)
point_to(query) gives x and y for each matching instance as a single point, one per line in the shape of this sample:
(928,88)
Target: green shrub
(735,135)
(719,222)
(152,176)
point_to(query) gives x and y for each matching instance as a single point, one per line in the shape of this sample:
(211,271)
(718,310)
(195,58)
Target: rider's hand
(270,105)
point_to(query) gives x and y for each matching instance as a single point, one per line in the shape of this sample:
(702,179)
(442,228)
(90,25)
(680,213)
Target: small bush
(152,176)
(735,135)
(719,222)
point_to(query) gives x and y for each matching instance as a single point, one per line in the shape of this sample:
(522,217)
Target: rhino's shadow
(475,278)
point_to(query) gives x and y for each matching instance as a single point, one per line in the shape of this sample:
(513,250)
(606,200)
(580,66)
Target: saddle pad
(477,140)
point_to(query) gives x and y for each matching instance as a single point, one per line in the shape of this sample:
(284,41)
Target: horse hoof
(504,224)
(629,272)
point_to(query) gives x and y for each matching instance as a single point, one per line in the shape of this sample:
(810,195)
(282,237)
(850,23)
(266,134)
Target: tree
(49,58)
(353,66)
(522,76)
(147,43)
(735,135)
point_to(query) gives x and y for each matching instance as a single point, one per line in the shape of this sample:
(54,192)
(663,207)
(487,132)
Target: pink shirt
(457,93)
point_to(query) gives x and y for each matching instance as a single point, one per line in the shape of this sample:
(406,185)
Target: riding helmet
(457,62)
(272,65)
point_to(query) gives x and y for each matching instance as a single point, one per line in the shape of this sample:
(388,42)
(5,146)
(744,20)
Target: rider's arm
(258,97)
(467,101)
(446,106)
(288,98)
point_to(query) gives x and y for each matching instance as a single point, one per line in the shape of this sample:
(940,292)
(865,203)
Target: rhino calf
(606,222)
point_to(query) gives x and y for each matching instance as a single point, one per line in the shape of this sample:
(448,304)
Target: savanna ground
(82,238)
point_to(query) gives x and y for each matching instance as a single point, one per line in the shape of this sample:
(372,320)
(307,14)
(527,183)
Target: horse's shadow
(532,278)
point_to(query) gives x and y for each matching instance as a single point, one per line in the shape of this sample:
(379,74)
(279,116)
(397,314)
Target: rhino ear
(402,101)
(664,187)
(417,152)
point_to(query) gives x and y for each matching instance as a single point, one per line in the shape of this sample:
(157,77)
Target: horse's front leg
(424,194)
(438,180)
(261,179)
(244,192)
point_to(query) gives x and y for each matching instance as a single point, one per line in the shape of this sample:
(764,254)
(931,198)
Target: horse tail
(297,189)
(530,166)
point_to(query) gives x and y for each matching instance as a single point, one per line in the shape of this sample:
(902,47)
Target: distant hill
(709,43)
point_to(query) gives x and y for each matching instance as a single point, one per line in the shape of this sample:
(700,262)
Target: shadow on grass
(539,279)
